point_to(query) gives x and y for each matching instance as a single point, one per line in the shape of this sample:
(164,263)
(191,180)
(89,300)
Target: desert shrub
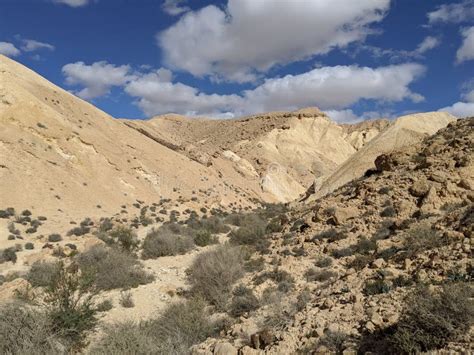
(432,318)
(244,301)
(280,312)
(104,306)
(112,268)
(365,246)
(388,211)
(314,274)
(285,282)
(78,231)
(26,330)
(251,233)
(43,274)
(12,229)
(4,214)
(70,305)
(214,225)
(429,320)
(402,281)
(341,253)
(213,273)
(375,287)
(361,261)
(203,237)
(8,254)
(255,265)
(303,299)
(334,341)
(179,327)
(388,253)
(420,238)
(331,235)
(126,299)
(11,237)
(162,242)
(125,238)
(54,238)
(385,190)
(106,225)
(29,246)
(323,261)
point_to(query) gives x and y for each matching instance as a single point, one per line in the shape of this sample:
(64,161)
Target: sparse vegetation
(163,242)
(213,273)
(53,238)
(112,268)
(244,301)
(126,299)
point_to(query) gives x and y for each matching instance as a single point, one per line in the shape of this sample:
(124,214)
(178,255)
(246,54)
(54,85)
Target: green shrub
(112,268)
(8,254)
(29,246)
(251,233)
(203,237)
(71,307)
(125,238)
(213,273)
(244,301)
(53,238)
(26,330)
(163,242)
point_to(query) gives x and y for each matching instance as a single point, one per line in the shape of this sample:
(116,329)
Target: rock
(378,263)
(341,215)
(377,320)
(224,348)
(370,326)
(247,350)
(420,188)
(467,184)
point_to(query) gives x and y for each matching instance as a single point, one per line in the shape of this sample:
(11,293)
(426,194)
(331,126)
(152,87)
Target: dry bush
(213,273)
(26,330)
(112,268)
(243,301)
(314,274)
(163,242)
(179,327)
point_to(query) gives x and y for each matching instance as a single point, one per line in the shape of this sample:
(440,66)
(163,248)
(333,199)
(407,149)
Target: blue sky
(354,59)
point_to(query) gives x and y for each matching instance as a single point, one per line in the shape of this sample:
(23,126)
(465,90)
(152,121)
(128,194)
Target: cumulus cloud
(330,88)
(31,45)
(73,3)
(460,109)
(469,96)
(427,44)
(466,51)
(96,79)
(9,49)
(175,7)
(453,13)
(227,43)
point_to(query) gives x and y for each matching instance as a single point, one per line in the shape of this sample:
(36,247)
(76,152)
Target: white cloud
(31,45)
(453,13)
(9,49)
(428,44)
(249,36)
(469,96)
(466,51)
(343,116)
(72,3)
(460,109)
(97,79)
(175,7)
(330,88)
(395,55)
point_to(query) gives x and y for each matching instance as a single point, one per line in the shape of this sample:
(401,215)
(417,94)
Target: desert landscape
(279,232)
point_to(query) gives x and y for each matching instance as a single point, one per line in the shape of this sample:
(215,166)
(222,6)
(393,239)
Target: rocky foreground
(381,265)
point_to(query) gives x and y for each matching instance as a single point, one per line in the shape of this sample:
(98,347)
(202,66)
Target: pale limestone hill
(402,132)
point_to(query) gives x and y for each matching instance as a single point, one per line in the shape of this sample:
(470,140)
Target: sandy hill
(63,156)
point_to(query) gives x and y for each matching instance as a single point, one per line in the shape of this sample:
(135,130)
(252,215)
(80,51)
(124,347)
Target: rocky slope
(354,255)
